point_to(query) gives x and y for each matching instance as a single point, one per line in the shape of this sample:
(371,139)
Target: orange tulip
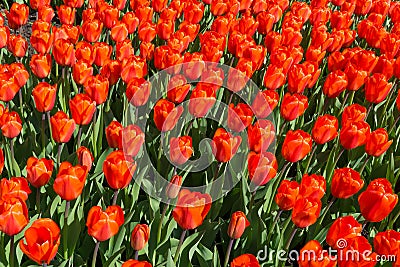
(132,140)
(181,149)
(131,21)
(174,186)
(376,88)
(119,32)
(18,15)
(45,13)
(245,260)
(343,228)
(136,263)
(354,135)
(42,41)
(239,117)
(35,4)
(202,99)
(1,160)
(378,200)
(191,209)
(138,91)
(224,145)
(111,16)
(81,72)
(114,134)
(335,83)
(377,142)
(237,225)
(353,113)
(264,103)
(66,14)
(70,181)
(97,88)
(91,30)
(39,171)
(312,254)
(312,186)
(62,127)
(16,187)
(346,182)
(306,211)
(102,53)
(112,71)
(13,216)
(387,243)
(325,129)
(44,95)
(63,52)
(262,167)
(118,169)
(85,157)
(41,241)
(287,194)
(140,236)
(40,65)
(17,45)
(275,77)
(296,146)
(293,106)
(4,34)
(358,245)
(82,109)
(178,88)
(102,225)
(11,124)
(166,115)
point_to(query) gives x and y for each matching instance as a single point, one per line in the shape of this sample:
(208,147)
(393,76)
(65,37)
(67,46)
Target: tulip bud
(237,225)
(140,236)
(174,187)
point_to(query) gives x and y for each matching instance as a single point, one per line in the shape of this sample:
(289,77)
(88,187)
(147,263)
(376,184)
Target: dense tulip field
(200,133)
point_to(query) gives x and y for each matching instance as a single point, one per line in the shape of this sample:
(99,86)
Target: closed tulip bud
(147,50)
(174,186)
(81,72)
(97,88)
(82,109)
(102,225)
(181,149)
(16,187)
(91,30)
(40,65)
(353,113)
(224,145)
(306,212)
(191,209)
(147,31)
(193,12)
(166,115)
(11,124)
(136,263)
(378,200)
(264,103)
(237,225)
(18,15)
(118,169)
(354,135)
(39,171)
(317,256)
(387,243)
(138,91)
(239,117)
(293,106)
(377,88)
(114,134)
(140,236)
(44,95)
(343,228)
(62,127)
(377,142)
(202,99)
(111,16)
(70,181)
(85,157)
(17,45)
(335,84)
(325,129)
(296,146)
(346,182)
(41,241)
(312,186)
(287,194)
(132,140)
(13,216)
(178,88)
(64,53)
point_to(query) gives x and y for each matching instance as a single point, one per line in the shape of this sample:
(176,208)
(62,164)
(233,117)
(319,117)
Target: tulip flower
(11,124)
(293,106)
(82,109)
(102,53)
(1,160)
(40,65)
(287,194)
(296,146)
(136,263)
(312,254)
(41,241)
(346,182)
(245,260)
(166,115)
(376,88)
(264,103)
(378,200)
(63,52)
(62,127)
(377,142)
(262,167)
(16,187)
(132,140)
(91,30)
(237,225)
(42,41)
(18,15)
(84,52)
(112,71)
(224,145)
(102,225)
(325,129)
(358,245)
(138,91)
(343,228)
(97,88)
(335,84)
(174,186)
(239,117)
(387,243)
(140,236)
(114,134)
(81,72)
(261,135)
(39,171)
(70,181)
(85,157)
(45,13)
(66,14)
(306,211)
(44,95)
(312,186)
(13,216)
(181,149)
(202,99)
(354,134)
(118,169)
(353,113)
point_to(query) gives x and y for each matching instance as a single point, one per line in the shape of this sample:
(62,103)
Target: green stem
(136,254)
(59,155)
(65,230)
(179,246)
(43,134)
(12,251)
(96,249)
(38,199)
(365,164)
(318,227)
(309,159)
(44,264)
(278,215)
(161,222)
(115,197)
(228,252)
(394,124)
(392,221)
(79,136)
(252,199)
(21,103)
(289,242)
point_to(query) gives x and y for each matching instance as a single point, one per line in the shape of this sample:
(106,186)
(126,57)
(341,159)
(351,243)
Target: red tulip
(353,113)
(237,225)
(181,149)
(202,99)
(293,106)
(261,135)
(287,194)
(262,167)
(239,117)
(335,84)
(132,140)
(296,146)
(118,169)
(70,181)
(85,157)
(114,134)
(346,182)
(377,142)
(44,95)
(13,216)
(16,187)
(312,254)
(306,211)
(140,236)
(312,186)
(376,88)
(62,127)
(224,145)
(18,15)
(245,260)
(166,115)
(325,129)
(11,124)
(97,88)
(39,171)
(102,225)
(387,243)
(343,228)
(354,135)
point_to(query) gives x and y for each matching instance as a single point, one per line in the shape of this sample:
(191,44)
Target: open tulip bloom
(218,133)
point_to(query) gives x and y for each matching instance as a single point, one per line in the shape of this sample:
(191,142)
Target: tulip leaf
(111,260)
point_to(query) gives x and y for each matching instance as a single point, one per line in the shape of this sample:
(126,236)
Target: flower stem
(79,136)
(278,215)
(289,242)
(12,251)
(43,134)
(324,215)
(309,159)
(115,197)
(65,230)
(38,199)
(365,164)
(161,222)
(59,155)
(179,246)
(96,249)
(136,254)
(394,124)
(228,252)
(44,264)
